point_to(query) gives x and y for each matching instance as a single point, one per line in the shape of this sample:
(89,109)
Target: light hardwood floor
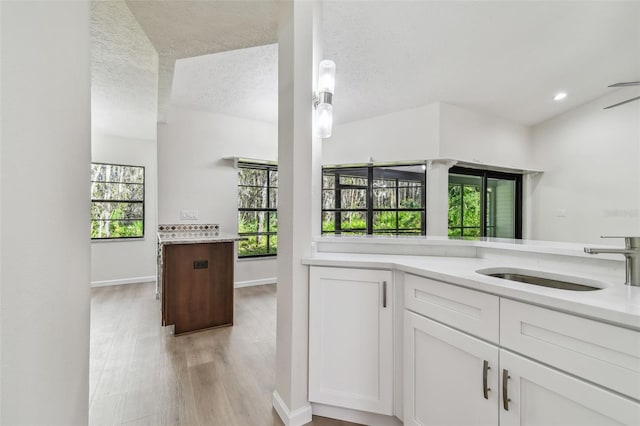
(142,375)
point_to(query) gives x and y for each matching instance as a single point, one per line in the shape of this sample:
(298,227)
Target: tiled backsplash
(181,227)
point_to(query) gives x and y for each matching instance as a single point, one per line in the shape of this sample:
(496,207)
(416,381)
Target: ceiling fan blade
(630,83)
(623,102)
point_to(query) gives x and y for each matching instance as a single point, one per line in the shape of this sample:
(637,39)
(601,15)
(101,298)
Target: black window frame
(122,201)
(485,175)
(268,167)
(368,172)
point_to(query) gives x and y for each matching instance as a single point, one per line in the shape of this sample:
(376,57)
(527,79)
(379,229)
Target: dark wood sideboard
(197,286)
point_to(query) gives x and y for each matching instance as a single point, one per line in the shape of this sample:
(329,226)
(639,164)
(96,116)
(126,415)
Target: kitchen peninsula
(195,276)
(411,328)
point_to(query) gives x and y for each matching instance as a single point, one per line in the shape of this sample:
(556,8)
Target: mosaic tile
(197,227)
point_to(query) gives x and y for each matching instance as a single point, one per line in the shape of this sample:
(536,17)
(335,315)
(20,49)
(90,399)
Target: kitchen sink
(544,279)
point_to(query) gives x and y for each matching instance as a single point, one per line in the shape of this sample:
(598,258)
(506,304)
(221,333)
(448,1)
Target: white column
(529,184)
(438,196)
(45,245)
(298,207)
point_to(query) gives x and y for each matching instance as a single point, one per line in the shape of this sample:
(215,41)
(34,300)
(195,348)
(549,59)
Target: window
(258,209)
(374,200)
(484,203)
(117,201)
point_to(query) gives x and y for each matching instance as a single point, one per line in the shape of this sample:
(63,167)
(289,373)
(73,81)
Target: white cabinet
(539,395)
(467,310)
(447,369)
(451,378)
(600,353)
(447,373)
(351,338)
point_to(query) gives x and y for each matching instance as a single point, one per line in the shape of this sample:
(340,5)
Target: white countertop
(525,246)
(617,303)
(195,237)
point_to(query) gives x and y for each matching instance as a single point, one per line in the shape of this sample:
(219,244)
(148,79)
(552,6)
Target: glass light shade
(324,120)
(327,76)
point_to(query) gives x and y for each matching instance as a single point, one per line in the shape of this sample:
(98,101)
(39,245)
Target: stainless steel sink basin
(544,279)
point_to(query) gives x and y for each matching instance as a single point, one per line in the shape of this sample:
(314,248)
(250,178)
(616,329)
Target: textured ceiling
(124,69)
(185,28)
(502,58)
(240,83)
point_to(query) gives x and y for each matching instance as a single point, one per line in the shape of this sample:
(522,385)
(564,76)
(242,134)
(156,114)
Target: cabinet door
(539,395)
(450,378)
(198,286)
(350,339)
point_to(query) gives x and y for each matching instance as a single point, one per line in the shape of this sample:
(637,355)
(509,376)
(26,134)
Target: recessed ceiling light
(559,96)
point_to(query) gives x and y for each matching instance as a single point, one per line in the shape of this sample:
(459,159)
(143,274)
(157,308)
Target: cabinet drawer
(601,353)
(467,310)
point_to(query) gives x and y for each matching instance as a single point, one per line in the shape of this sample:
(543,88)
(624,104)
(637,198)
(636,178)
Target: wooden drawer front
(598,352)
(467,310)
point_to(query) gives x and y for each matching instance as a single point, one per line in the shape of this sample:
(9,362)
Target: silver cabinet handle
(485,389)
(505,391)
(384,294)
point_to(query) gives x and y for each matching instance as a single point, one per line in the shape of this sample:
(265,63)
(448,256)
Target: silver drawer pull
(505,391)
(485,370)
(384,294)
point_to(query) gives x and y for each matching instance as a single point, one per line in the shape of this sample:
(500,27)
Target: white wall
(121,262)
(0,212)
(411,134)
(431,131)
(192,174)
(299,52)
(590,157)
(124,69)
(591,181)
(44,185)
(437,130)
(477,137)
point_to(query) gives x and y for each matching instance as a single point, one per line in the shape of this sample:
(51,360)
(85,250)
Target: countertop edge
(502,244)
(514,291)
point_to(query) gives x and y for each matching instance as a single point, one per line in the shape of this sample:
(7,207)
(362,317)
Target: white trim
(251,283)
(134,280)
(297,417)
(256,259)
(354,416)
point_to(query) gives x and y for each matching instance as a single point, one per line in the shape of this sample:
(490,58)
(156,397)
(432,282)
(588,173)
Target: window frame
(485,175)
(268,167)
(142,202)
(368,172)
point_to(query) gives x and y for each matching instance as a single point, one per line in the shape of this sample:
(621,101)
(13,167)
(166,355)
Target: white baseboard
(134,280)
(251,283)
(137,280)
(354,416)
(298,417)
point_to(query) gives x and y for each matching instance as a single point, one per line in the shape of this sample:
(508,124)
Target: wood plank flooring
(142,375)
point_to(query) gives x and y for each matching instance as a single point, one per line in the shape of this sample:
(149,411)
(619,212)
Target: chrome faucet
(631,253)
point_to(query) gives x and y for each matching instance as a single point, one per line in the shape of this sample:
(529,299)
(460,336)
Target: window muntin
(387,200)
(117,201)
(257,210)
(484,203)
(464,205)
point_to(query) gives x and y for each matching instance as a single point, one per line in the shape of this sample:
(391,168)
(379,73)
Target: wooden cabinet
(197,286)
(450,378)
(351,338)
